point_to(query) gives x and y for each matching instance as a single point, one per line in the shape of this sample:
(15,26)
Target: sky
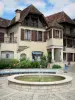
(47,7)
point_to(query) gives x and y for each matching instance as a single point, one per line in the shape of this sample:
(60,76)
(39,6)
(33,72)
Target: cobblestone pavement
(7,93)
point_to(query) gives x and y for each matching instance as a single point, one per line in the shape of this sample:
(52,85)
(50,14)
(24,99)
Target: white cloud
(70,10)
(1,8)
(37,3)
(58,5)
(68,6)
(10,5)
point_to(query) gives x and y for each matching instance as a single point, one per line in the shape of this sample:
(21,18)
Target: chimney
(17,14)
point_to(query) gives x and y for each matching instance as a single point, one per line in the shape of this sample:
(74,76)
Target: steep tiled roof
(54,24)
(4,22)
(25,12)
(59,17)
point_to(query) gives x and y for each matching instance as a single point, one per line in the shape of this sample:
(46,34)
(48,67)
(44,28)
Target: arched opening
(23,55)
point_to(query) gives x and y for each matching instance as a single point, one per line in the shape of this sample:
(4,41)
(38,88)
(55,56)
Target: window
(7,55)
(64,41)
(39,36)
(50,34)
(67,30)
(1,37)
(64,56)
(35,22)
(27,35)
(36,55)
(74,56)
(55,33)
(11,37)
(69,42)
(70,56)
(27,21)
(61,34)
(74,43)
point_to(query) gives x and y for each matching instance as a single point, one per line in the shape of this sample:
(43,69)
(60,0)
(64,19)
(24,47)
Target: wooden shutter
(1,37)
(34,35)
(45,36)
(22,34)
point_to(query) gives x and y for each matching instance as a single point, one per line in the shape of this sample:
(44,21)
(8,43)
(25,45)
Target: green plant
(22,59)
(8,63)
(24,64)
(49,58)
(35,64)
(56,67)
(44,62)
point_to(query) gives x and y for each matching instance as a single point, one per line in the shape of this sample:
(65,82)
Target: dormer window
(35,22)
(26,21)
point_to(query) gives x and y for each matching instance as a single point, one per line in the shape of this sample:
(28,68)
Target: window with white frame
(50,34)
(27,35)
(56,33)
(61,34)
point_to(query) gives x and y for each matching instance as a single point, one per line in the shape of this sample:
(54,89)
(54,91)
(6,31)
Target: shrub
(22,59)
(49,58)
(8,63)
(56,67)
(24,64)
(35,64)
(43,62)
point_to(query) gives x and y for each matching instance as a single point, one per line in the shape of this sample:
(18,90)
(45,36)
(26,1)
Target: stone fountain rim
(13,80)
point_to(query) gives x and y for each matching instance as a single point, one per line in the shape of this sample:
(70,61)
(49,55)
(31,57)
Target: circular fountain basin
(39,86)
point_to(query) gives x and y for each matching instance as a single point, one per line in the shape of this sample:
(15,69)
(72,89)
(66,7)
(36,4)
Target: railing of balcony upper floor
(8,40)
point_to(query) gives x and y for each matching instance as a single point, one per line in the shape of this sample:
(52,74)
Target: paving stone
(7,93)
(69,95)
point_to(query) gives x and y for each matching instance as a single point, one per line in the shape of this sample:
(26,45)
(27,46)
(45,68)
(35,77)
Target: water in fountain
(40,74)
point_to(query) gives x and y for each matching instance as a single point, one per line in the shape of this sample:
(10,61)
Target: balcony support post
(61,55)
(52,54)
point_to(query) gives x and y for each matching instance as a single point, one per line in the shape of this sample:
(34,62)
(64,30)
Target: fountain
(40,82)
(39,86)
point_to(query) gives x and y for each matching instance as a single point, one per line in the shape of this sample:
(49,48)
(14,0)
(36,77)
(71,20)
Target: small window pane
(36,55)
(7,55)
(61,34)
(27,35)
(50,34)
(56,33)
(39,36)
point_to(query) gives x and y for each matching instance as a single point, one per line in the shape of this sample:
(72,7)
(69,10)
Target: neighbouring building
(31,34)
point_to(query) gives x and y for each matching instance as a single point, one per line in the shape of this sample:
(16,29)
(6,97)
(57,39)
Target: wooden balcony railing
(8,40)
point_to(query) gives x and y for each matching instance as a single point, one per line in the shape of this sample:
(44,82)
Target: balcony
(8,40)
(55,42)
